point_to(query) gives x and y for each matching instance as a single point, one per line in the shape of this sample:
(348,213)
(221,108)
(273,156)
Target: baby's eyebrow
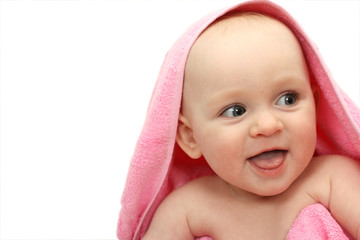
(225,96)
(290,80)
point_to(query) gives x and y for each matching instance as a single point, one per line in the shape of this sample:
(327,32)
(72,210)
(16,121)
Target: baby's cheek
(220,144)
(223,151)
(304,135)
(307,128)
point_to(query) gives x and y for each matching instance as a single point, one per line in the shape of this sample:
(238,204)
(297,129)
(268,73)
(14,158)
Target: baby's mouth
(269,159)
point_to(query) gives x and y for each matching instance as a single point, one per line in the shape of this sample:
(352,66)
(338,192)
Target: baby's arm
(170,220)
(344,198)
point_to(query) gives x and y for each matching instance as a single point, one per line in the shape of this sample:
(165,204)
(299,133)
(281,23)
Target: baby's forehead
(210,54)
(232,23)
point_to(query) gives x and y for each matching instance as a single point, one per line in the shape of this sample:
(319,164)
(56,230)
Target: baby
(249,108)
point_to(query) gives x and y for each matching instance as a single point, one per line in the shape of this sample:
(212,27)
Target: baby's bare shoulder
(331,164)
(197,189)
(323,171)
(189,193)
(343,197)
(171,219)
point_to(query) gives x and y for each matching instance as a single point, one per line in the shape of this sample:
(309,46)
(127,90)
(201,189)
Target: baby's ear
(185,138)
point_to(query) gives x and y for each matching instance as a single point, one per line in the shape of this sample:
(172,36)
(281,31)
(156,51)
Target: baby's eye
(233,111)
(287,99)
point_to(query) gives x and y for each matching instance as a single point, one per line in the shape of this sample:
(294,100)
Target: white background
(76,77)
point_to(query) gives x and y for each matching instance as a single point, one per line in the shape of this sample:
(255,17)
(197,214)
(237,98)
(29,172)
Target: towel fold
(315,222)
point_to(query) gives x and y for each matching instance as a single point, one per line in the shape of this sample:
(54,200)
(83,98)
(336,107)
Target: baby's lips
(268,160)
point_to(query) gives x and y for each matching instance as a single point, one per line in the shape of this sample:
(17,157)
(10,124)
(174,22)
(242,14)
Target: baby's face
(250,106)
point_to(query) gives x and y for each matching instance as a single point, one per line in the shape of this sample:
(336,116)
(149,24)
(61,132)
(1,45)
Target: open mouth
(269,160)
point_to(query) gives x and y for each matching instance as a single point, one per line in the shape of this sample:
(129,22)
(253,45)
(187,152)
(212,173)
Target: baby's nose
(266,124)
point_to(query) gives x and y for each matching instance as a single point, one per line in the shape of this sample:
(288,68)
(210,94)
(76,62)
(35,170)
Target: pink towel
(159,166)
(315,222)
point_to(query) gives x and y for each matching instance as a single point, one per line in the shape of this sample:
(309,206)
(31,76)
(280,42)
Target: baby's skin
(249,108)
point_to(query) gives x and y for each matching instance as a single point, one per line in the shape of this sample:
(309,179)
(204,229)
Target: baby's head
(248,105)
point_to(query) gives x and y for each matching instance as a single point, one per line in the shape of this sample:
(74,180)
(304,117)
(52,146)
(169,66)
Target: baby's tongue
(268,160)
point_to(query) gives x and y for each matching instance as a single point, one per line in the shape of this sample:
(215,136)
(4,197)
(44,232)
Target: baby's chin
(273,191)
(261,192)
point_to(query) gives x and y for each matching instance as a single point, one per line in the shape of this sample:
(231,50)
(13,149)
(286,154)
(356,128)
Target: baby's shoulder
(198,188)
(321,172)
(331,164)
(186,199)
(326,167)
(172,215)
(192,194)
